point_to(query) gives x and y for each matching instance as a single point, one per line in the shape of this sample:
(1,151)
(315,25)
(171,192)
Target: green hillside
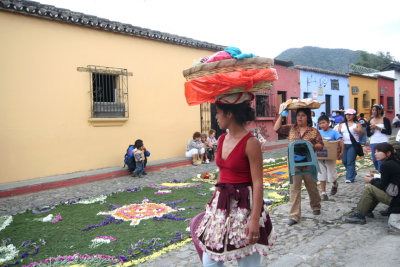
(324,58)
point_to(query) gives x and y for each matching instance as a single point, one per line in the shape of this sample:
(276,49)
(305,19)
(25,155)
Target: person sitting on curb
(258,135)
(195,148)
(328,167)
(139,158)
(203,139)
(380,189)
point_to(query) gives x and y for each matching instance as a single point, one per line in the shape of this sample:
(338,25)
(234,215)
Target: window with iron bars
(264,107)
(109,92)
(334,84)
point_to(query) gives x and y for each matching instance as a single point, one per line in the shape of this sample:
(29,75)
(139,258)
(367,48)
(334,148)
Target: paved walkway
(323,240)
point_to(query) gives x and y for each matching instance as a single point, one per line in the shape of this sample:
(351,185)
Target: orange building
(363,92)
(78,89)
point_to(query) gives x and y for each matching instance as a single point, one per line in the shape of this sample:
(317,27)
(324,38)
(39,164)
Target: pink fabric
(221,55)
(194,224)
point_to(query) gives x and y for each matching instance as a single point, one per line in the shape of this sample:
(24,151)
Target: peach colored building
(76,90)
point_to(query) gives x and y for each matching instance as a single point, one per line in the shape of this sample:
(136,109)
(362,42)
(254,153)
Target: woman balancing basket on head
(235,223)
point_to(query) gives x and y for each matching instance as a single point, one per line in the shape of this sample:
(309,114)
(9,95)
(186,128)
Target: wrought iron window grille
(334,84)
(264,107)
(108,91)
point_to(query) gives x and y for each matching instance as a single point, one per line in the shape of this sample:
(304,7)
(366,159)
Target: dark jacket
(386,123)
(390,173)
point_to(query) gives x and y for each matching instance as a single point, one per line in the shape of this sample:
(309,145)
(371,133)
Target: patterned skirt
(222,231)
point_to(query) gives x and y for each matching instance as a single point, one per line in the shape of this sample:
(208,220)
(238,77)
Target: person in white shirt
(396,121)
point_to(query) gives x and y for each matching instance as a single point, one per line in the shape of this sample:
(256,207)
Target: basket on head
(227,65)
(194,224)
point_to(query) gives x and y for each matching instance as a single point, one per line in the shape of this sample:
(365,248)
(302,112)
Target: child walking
(139,158)
(328,167)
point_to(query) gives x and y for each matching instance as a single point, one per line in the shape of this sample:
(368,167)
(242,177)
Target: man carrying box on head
(328,165)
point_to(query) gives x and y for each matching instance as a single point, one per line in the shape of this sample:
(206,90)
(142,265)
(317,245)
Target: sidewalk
(77,178)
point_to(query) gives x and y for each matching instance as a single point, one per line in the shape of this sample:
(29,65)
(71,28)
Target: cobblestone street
(323,240)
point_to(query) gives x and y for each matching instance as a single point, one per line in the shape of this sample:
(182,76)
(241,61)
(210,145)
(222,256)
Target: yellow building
(76,90)
(363,93)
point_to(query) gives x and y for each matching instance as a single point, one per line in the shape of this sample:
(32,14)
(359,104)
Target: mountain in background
(337,60)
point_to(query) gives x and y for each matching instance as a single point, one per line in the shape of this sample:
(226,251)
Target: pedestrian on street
(236,223)
(364,123)
(328,167)
(350,126)
(302,130)
(378,131)
(380,190)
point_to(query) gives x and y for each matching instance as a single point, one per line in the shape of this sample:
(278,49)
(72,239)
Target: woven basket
(228,65)
(194,224)
(313,105)
(264,85)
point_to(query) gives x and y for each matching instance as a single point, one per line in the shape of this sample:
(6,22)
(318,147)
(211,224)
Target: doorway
(214,123)
(356,104)
(328,109)
(281,99)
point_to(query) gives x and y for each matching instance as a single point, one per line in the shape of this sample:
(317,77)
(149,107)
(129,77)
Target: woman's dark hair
(323,118)
(242,112)
(379,109)
(138,143)
(306,111)
(196,135)
(385,148)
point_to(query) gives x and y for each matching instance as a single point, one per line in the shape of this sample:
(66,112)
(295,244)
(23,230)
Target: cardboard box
(330,150)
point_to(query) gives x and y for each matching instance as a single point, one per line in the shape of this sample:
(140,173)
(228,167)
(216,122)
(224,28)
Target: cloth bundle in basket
(206,81)
(300,103)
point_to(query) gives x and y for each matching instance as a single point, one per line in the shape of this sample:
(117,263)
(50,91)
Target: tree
(374,61)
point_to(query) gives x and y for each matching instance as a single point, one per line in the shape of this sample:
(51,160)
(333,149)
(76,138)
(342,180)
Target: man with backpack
(129,158)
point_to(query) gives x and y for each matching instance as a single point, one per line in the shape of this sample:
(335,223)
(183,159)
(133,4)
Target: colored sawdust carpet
(137,212)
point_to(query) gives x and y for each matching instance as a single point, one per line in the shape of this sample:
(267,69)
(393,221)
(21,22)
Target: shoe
(334,189)
(384,212)
(316,212)
(355,218)
(348,181)
(134,175)
(207,161)
(324,197)
(291,222)
(144,173)
(370,214)
(195,164)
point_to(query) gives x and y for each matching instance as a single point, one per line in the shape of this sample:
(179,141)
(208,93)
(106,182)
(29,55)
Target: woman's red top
(236,167)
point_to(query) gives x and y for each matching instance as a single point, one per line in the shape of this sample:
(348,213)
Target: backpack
(129,159)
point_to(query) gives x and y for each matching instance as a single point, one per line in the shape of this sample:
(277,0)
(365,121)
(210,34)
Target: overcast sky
(262,27)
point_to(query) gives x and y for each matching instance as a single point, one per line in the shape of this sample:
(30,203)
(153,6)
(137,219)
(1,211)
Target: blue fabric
(299,157)
(247,55)
(338,119)
(285,113)
(363,139)
(377,164)
(349,161)
(252,260)
(233,51)
(330,134)
(139,168)
(236,53)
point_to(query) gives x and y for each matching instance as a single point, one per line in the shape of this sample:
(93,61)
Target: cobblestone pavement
(323,240)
